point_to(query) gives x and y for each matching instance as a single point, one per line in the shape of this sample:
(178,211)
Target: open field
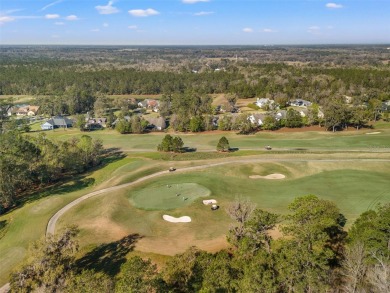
(309,160)
(18,99)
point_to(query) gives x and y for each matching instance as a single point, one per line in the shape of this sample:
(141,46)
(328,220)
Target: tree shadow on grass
(109,257)
(188,150)
(233,150)
(69,182)
(3,228)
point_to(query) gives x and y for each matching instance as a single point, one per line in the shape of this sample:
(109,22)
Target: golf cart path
(50,229)
(53,220)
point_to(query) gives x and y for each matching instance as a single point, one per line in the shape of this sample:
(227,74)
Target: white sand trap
(209,201)
(270,176)
(184,219)
(377,132)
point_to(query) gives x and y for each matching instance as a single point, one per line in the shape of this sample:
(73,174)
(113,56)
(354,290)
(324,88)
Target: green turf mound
(167,197)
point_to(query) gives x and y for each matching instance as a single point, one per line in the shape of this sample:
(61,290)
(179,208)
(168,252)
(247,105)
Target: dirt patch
(270,176)
(111,230)
(179,244)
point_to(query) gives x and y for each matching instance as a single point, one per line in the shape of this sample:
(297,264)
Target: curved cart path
(52,222)
(50,229)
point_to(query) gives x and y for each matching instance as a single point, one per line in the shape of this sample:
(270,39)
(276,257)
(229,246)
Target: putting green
(167,197)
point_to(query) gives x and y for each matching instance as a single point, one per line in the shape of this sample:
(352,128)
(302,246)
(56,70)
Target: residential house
(57,122)
(386,106)
(149,104)
(263,102)
(281,114)
(300,103)
(27,111)
(156,123)
(11,110)
(127,118)
(303,112)
(143,104)
(257,118)
(95,123)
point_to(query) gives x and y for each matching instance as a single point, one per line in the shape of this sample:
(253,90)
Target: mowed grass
(353,186)
(356,140)
(168,196)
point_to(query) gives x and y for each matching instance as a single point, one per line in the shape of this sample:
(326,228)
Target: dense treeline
(244,79)
(315,254)
(27,162)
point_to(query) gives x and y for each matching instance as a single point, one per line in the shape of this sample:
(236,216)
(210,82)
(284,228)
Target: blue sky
(194,22)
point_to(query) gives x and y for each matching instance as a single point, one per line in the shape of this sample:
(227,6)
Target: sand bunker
(270,176)
(209,201)
(377,132)
(184,219)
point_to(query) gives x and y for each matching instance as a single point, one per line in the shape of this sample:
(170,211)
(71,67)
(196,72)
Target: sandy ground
(270,176)
(184,219)
(209,201)
(377,132)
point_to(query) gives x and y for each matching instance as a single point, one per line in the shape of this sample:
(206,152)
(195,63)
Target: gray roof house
(57,122)
(257,118)
(281,114)
(156,123)
(264,102)
(300,103)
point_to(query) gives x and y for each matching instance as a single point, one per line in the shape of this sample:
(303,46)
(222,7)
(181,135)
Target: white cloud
(4,19)
(315,30)
(247,30)
(269,30)
(71,17)
(52,16)
(143,12)
(132,27)
(51,4)
(333,5)
(59,23)
(107,9)
(202,13)
(193,1)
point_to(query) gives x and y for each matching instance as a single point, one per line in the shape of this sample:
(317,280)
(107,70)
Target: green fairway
(354,186)
(169,196)
(315,140)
